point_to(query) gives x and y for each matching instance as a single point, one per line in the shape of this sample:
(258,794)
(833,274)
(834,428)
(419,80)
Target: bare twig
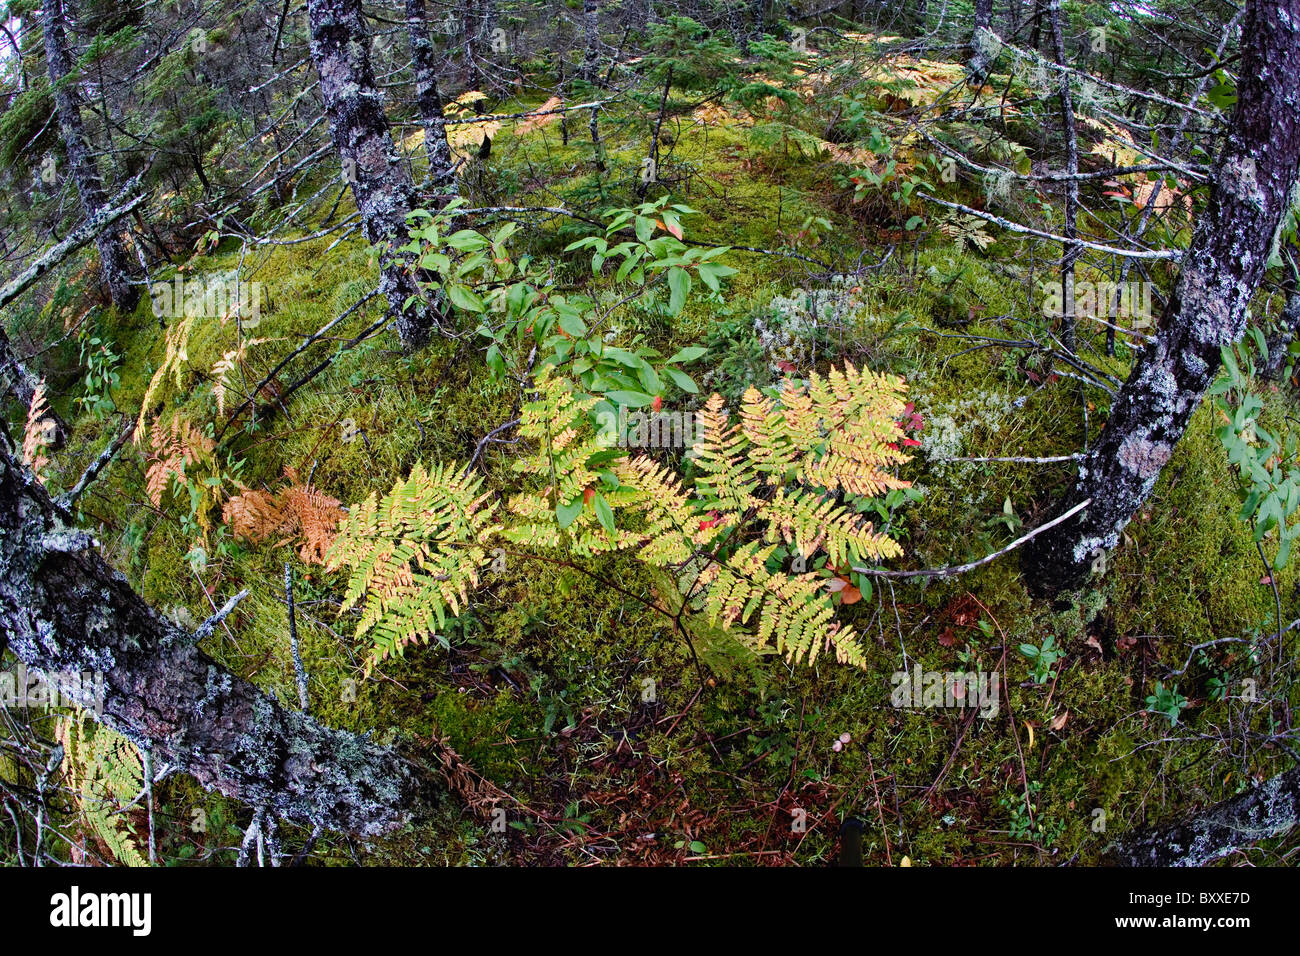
(953,570)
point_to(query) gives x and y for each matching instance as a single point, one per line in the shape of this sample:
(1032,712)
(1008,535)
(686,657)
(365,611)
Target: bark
(591,40)
(428,100)
(63,609)
(638,15)
(736,28)
(380,182)
(1253,180)
(981,47)
(1072,250)
(85,173)
(1269,810)
(1279,342)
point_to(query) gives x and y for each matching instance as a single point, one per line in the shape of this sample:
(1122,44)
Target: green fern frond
(104,774)
(413,555)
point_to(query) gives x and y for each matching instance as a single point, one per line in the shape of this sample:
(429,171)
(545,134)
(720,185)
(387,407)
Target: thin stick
(66,501)
(300,672)
(953,570)
(210,624)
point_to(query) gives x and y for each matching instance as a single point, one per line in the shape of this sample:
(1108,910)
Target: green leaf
(572,323)
(649,380)
(629,398)
(711,272)
(679,284)
(464,298)
(682,380)
(688,354)
(603,512)
(566,514)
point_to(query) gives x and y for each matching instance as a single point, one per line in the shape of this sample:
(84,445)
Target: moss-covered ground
(580,703)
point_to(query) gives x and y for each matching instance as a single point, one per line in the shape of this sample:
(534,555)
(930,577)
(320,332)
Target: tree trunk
(1269,810)
(20,382)
(85,172)
(591,40)
(428,100)
(381,184)
(1254,176)
(64,610)
(1278,343)
(1072,250)
(981,47)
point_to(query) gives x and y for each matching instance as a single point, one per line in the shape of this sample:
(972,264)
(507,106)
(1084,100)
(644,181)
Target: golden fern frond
(811,522)
(175,356)
(856,412)
(727,480)
(296,512)
(557,423)
(226,366)
(585,535)
(770,447)
(673,526)
(413,555)
(35,434)
(794,612)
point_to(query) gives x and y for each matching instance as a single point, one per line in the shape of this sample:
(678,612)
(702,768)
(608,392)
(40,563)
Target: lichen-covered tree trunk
(63,609)
(20,382)
(1288,330)
(591,40)
(1269,810)
(428,100)
(380,182)
(981,44)
(85,172)
(1253,180)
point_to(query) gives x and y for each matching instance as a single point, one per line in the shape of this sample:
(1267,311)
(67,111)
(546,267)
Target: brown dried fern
(297,513)
(36,434)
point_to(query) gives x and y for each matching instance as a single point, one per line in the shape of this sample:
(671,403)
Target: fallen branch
(954,570)
(79,237)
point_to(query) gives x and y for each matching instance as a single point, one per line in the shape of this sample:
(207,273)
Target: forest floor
(581,704)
